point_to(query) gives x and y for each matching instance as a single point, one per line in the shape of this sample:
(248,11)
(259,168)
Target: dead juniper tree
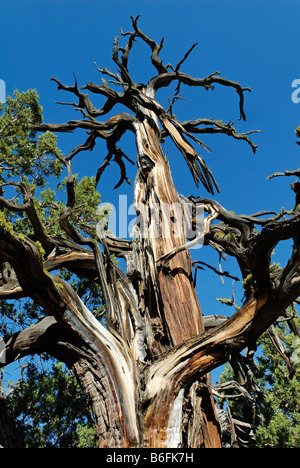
(147,372)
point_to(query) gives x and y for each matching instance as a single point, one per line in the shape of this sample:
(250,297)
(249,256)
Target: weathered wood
(181,319)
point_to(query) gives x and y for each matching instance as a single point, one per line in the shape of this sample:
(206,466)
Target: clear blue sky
(253,42)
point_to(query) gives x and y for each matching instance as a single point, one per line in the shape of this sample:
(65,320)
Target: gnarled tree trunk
(147,371)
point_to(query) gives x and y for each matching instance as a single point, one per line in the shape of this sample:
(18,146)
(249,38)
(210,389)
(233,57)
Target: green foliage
(36,160)
(247,280)
(44,405)
(22,154)
(5,224)
(278,400)
(41,249)
(86,436)
(281,395)
(49,203)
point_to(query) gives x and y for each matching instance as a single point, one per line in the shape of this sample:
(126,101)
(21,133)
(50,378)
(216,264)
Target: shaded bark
(9,435)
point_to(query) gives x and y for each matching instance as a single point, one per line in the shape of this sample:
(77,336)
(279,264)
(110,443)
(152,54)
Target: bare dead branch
(84,105)
(282,350)
(197,264)
(186,360)
(107,72)
(111,130)
(122,65)
(156,48)
(87,146)
(209,126)
(165,79)
(45,336)
(285,173)
(185,57)
(196,164)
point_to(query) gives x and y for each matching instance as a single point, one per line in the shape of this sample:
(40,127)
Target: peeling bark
(9,435)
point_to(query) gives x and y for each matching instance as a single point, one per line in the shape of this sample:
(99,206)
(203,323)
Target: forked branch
(140,99)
